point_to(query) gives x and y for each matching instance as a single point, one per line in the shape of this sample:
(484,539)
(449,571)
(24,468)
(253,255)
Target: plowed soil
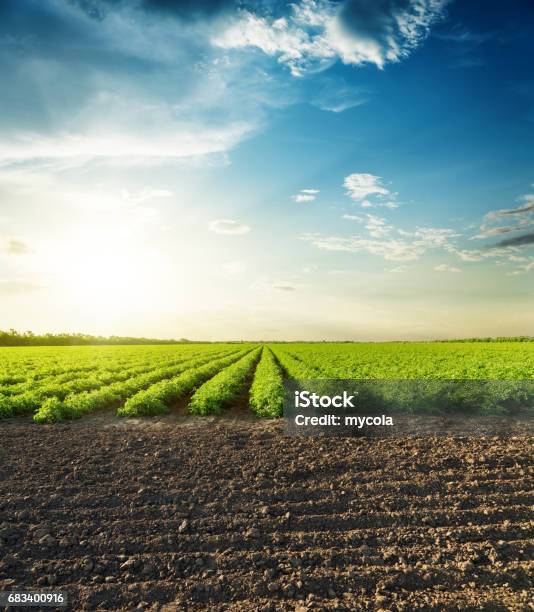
(230,514)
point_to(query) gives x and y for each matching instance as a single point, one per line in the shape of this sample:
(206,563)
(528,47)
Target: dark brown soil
(230,514)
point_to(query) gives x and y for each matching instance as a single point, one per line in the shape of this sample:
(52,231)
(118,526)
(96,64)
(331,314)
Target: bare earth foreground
(230,514)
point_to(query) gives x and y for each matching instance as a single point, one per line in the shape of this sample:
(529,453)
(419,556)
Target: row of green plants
(214,384)
(104,373)
(76,405)
(425,360)
(29,364)
(296,367)
(158,398)
(32,400)
(150,380)
(267,389)
(225,387)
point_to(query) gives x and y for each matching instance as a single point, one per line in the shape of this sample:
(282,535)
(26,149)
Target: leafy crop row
(61,385)
(66,382)
(32,400)
(76,405)
(400,360)
(267,390)
(158,398)
(225,387)
(296,367)
(22,364)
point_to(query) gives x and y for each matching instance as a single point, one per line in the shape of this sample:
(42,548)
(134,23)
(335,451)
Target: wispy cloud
(305,195)
(465,47)
(385,240)
(524,267)
(398,269)
(390,249)
(284,287)
(517,241)
(376,226)
(520,210)
(336,95)
(276,287)
(517,219)
(446,268)
(460,34)
(229,227)
(170,141)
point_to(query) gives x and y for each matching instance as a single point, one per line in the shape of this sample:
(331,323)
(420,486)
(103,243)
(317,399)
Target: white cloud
(446,268)
(290,42)
(316,33)
(228,226)
(435,236)
(384,240)
(392,250)
(305,195)
(361,185)
(376,226)
(135,146)
(467,255)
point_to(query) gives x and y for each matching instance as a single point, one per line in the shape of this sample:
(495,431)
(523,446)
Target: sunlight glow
(106,276)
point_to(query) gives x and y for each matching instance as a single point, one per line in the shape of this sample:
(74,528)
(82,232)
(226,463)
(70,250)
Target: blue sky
(348,169)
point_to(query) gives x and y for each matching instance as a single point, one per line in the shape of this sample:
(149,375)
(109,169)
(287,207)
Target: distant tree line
(15,338)
(28,338)
(498,339)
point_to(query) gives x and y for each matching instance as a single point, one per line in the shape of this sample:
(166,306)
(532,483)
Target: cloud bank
(153,80)
(316,33)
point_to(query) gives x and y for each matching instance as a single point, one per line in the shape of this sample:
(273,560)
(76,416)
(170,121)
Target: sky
(315,170)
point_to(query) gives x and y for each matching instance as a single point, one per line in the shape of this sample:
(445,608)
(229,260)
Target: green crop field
(57,383)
